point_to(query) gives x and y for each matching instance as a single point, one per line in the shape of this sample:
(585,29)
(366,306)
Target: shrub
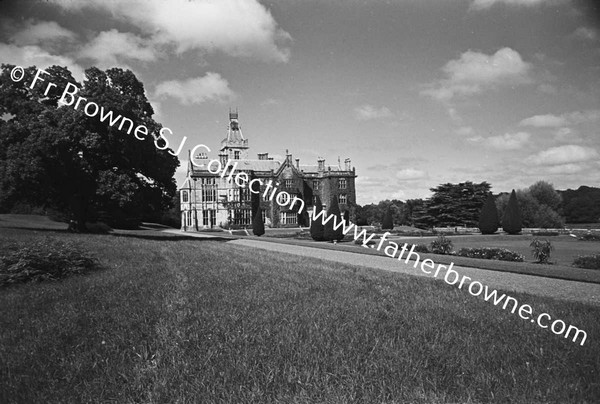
(258,226)
(587,261)
(488,218)
(331,234)
(441,245)
(422,248)
(388,220)
(316,226)
(511,221)
(489,253)
(47,259)
(589,237)
(541,250)
(546,233)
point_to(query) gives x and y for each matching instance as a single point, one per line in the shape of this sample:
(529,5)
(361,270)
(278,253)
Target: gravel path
(535,285)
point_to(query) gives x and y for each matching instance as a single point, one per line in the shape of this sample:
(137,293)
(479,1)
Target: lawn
(175,320)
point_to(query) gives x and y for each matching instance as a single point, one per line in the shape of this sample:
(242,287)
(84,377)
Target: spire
(234,145)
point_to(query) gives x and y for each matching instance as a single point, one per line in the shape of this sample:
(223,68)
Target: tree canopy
(457,204)
(56,156)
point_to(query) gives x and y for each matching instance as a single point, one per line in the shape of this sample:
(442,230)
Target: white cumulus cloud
(563,155)
(210,87)
(586,33)
(555,121)
(236,27)
(108,46)
(32,32)
(508,141)
(485,4)
(474,72)
(368,112)
(34,55)
(410,174)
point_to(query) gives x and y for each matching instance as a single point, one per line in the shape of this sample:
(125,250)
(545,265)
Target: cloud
(562,155)
(408,174)
(31,32)
(544,121)
(485,4)
(34,55)
(555,121)
(108,46)
(464,131)
(566,169)
(211,87)
(236,27)
(474,72)
(586,33)
(508,141)
(368,112)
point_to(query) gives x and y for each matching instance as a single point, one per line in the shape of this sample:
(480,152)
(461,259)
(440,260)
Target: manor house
(209,200)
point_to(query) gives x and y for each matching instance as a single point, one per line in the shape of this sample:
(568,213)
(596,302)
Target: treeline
(460,204)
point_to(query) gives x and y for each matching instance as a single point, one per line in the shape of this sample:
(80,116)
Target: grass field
(175,320)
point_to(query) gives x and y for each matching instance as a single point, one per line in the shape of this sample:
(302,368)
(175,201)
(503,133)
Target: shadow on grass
(168,237)
(141,234)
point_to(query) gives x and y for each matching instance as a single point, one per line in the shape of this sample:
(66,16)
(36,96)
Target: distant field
(173,320)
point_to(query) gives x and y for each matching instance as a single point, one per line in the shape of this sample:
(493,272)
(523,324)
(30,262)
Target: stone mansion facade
(210,200)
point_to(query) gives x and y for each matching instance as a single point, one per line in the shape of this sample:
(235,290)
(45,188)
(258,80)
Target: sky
(415,92)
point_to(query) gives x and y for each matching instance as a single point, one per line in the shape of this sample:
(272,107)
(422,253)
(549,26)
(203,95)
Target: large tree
(57,156)
(581,205)
(457,204)
(534,212)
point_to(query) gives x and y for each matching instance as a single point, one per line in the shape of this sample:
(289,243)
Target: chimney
(321,162)
(263,156)
(298,164)
(347,163)
(288,156)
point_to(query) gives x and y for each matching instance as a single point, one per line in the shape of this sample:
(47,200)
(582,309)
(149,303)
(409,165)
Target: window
(189,217)
(342,183)
(208,181)
(288,218)
(239,195)
(316,184)
(314,200)
(184,196)
(245,194)
(289,184)
(241,216)
(342,198)
(236,155)
(209,194)
(209,218)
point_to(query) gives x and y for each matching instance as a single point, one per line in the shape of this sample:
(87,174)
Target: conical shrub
(330,234)
(488,218)
(388,220)
(511,221)
(258,226)
(316,226)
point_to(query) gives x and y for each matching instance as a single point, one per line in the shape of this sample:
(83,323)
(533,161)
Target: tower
(234,146)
